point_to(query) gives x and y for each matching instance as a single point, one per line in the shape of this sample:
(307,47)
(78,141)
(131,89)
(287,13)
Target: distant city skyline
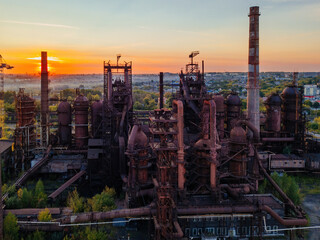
(158,35)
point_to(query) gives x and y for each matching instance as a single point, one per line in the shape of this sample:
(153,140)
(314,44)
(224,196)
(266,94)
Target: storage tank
(233,103)
(238,141)
(64,121)
(273,106)
(220,114)
(291,108)
(96,118)
(81,105)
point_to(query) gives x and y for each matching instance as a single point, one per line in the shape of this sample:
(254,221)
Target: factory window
(199,231)
(187,232)
(244,230)
(194,232)
(209,230)
(275,228)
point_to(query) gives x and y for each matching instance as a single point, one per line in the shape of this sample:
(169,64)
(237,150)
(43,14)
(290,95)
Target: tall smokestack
(161,90)
(253,70)
(44,99)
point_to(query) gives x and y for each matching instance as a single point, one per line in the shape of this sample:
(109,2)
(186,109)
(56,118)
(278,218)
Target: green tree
(75,202)
(44,215)
(27,199)
(37,235)
(93,234)
(104,201)
(10,227)
(39,194)
(316,105)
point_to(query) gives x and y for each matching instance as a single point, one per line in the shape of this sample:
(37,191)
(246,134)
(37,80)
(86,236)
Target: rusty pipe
(96,216)
(145,211)
(236,191)
(156,224)
(285,222)
(109,92)
(275,139)
(256,135)
(213,139)
(132,138)
(161,90)
(278,189)
(179,233)
(181,169)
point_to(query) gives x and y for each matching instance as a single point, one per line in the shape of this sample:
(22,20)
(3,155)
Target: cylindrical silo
(291,108)
(233,103)
(220,113)
(64,121)
(238,141)
(96,118)
(273,106)
(81,105)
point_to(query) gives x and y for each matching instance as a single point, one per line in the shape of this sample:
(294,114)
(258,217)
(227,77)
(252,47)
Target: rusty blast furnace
(191,171)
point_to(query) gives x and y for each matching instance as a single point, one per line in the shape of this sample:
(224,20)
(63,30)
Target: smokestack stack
(253,69)
(161,90)
(44,99)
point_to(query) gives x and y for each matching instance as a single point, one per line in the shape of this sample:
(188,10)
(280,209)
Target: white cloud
(39,24)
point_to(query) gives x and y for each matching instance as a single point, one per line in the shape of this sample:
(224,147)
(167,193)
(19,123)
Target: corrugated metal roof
(4,145)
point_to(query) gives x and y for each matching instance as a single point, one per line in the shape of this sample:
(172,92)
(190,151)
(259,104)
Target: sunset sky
(158,35)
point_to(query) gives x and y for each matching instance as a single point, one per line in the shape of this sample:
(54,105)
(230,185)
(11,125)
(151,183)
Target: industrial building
(191,172)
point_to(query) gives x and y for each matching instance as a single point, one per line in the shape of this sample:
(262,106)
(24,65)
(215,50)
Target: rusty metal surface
(273,107)
(253,85)
(44,99)
(161,90)
(81,106)
(233,103)
(64,122)
(66,184)
(219,100)
(96,119)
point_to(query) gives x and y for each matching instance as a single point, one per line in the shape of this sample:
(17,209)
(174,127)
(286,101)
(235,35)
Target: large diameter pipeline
(213,140)
(178,105)
(148,211)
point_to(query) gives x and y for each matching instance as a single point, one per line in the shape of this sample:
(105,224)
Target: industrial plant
(191,171)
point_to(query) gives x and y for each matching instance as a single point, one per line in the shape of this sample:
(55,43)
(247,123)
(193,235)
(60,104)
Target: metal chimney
(44,99)
(253,70)
(161,90)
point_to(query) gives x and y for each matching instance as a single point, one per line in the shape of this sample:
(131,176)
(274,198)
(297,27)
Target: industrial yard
(159,156)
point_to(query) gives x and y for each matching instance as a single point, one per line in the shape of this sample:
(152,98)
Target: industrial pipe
(145,211)
(235,192)
(285,222)
(96,216)
(109,86)
(278,189)
(213,139)
(256,134)
(132,138)
(178,105)
(161,90)
(179,233)
(288,139)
